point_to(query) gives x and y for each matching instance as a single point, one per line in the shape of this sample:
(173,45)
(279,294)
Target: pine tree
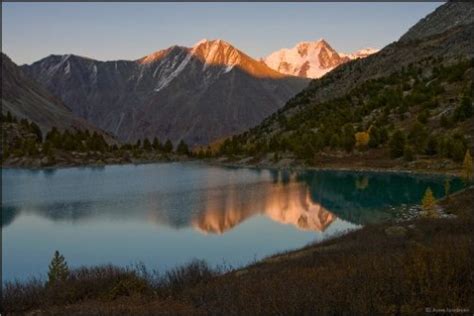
(37,131)
(182,148)
(429,203)
(9,117)
(397,144)
(156,144)
(168,146)
(146,145)
(58,269)
(467,166)
(138,144)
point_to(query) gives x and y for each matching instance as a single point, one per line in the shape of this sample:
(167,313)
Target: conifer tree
(182,148)
(397,144)
(58,269)
(146,145)
(37,131)
(168,146)
(156,144)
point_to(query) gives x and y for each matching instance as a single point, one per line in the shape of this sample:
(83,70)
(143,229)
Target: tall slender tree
(58,269)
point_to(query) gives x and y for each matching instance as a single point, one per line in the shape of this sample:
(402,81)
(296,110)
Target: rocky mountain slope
(411,99)
(311,59)
(196,94)
(26,99)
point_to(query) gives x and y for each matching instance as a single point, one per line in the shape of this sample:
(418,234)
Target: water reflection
(218,199)
(167,214)
(285,204)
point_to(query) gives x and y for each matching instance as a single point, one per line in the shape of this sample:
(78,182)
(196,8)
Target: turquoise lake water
(167,214)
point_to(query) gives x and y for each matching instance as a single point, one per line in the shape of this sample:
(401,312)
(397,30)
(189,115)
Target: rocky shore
(92,159)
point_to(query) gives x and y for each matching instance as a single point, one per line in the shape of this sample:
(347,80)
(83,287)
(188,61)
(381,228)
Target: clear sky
(108,31)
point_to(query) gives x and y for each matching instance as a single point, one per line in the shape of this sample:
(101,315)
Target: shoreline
(302,270)
(96,165)
(300,167)
(218,163)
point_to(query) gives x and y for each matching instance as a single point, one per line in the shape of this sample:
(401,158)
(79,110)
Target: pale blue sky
(108,31)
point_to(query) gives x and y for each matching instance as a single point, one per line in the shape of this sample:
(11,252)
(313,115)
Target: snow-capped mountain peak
(216,52)
(310,59)
(361,53)
(221,53)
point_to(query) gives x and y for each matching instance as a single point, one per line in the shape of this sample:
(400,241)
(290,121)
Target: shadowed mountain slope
(26,99)
(197,94)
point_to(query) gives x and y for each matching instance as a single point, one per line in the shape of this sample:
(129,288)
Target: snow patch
(163,83)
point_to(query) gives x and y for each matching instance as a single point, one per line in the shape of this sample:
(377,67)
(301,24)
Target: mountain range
(197,94)
(213,90)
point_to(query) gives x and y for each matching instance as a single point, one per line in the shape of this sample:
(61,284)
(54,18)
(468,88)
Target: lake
(167,214)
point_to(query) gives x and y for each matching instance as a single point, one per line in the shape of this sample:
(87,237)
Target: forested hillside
(411,101)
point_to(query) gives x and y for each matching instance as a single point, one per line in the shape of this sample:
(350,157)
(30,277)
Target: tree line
(33,143)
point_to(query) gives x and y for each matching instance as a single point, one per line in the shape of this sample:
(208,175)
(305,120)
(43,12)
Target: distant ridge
(197,94)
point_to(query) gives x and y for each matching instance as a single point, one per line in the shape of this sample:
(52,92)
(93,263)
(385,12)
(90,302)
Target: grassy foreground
(402,268)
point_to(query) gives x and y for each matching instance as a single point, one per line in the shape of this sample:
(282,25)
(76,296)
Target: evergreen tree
(156,144)
(9,117)
(465,110)
(335,141)
(182,148)
(168,146)
(397,144)
(37,131)
(418,136)
(58,269)
(432,146)
(456,149)
(348,138)
(54,137)
(138,144)
(147,145)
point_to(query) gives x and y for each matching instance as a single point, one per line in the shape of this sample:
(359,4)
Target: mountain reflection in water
(286,204)
(167,214)
(213,200)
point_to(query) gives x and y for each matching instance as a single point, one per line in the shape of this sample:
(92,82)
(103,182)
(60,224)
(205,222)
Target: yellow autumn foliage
(428,203)
(362,139)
